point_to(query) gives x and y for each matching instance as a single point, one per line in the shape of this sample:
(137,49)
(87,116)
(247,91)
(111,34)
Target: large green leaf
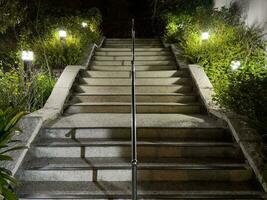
(8,194)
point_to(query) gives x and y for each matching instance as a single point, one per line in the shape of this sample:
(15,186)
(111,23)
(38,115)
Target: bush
(50,51)
(28,95)
(8,120)
(41,36)
(243,90)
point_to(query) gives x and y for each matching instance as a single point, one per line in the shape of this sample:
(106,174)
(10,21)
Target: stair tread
(187,142)
(136,49)
(94,120)
(124,162)
(173,85)
(137,94)
(138,104)
(142,71)
(138,78)
(144,188)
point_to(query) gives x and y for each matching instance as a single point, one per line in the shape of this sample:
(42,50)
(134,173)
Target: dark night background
(117,14)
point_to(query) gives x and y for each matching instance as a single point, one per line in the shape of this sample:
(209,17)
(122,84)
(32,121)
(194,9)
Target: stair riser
(192,109)
(127,90)
(137,54)
(130,50)
(129,42)
(127,81)
(128,68)
(138,62)
(139,98)
(139,74)
(112,133)
(137,58)
(130,46)
(125,151)
(143,175)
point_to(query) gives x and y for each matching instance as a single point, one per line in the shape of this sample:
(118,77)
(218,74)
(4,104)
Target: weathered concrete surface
(247,138)
(62,88)
(143,120)
(85,61)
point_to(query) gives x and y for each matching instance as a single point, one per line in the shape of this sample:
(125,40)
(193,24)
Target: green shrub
(28,96)
(244,90)
(40,88)
(41,36)
(8,120)
(50,51)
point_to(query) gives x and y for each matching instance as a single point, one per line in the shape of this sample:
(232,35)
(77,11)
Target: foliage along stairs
(183,153)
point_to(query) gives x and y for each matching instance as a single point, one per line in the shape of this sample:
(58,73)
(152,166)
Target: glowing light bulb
(62,34)
(84,24)
(27,55)
(235,65)
(205,36)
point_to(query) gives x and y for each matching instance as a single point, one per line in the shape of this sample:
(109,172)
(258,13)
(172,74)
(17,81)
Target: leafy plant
(242,90)
(11,13)
(8,121)
(50,50)
(27,95)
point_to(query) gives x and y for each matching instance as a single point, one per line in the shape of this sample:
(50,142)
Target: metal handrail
(133,126)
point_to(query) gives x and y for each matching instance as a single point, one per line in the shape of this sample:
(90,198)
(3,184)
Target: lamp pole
(62,36)
(27,57)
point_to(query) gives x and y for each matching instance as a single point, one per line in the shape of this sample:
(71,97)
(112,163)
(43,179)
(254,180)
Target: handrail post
(133,126)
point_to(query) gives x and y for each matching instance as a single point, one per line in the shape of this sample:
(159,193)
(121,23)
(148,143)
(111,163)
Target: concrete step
(140,98)
(119,169)
(86,147)
(127,89)
(129,42)
(137,44)
(115,107)
(218,134)
(139,81)
(119,120)
(139,74)
(137,63)
(130,46)
(128,68)
(249,190)
(115,133)
(143,163)
(137,54)
(122,40)
(136,49)
(137,58)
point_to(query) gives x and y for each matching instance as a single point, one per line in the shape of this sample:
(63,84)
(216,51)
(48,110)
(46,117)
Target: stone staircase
(183,153)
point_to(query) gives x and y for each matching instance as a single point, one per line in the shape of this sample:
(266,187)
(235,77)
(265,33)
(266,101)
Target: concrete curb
(248,139)
(178,55)
(32,123)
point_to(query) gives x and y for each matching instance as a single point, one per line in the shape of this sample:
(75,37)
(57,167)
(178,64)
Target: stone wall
(253,11)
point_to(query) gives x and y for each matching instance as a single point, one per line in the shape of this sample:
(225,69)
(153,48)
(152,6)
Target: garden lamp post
(84,25)
(62,36)
(235,65)
(27,57)
(205,35)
